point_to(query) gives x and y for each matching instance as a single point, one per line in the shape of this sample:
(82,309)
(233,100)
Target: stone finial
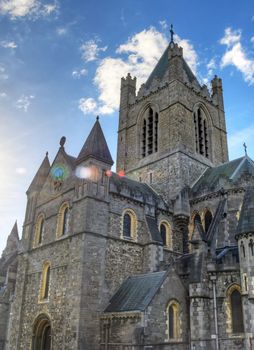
(62,141)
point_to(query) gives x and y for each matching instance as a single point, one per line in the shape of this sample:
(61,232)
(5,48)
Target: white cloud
(90,50)
(137,56)
(252,40)
(236,55)
(24,102)
(3,94)
(77,74)
(8,44)
(21,8)
(231,37)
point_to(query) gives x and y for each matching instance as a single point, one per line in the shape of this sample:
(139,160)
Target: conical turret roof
(40,176)
(246,221)
(95,146)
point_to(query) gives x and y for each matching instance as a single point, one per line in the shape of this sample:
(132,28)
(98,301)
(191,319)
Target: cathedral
(157,255)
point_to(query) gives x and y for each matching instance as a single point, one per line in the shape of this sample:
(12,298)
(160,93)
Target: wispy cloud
(77,74)
(3,94)
(236,140)
(24,102)
(90,50)
(61,31)
(236,55)
(8,44)
(137,56)
(21,170)
(22,8)
(163,24)
(3,74)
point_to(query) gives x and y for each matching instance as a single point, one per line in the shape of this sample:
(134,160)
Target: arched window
(251,248)
(39,230)
(63,220)
(201,133)
(129,226)
(166,234)
(42,334)
(197,218)
(208,219)
(173,320)
(242,249)
(235,300)
(45,282)
(150,132)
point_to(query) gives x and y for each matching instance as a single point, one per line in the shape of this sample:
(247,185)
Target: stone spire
(95,146)
(40,176)
(12,241)
(246,221)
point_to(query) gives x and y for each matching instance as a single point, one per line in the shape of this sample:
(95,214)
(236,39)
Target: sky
(61,63)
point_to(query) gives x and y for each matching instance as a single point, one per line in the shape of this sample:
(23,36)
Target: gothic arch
(129,224)
(39,229)
(202,125)
(63,220)
(148,129)
(173,313)
(45,282)
(234,311)
(42,333)
(166,233)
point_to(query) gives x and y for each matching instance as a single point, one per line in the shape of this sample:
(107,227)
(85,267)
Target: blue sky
(61,64)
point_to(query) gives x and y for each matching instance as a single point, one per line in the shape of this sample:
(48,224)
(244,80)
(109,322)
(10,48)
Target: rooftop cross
(172,34)
(245,148)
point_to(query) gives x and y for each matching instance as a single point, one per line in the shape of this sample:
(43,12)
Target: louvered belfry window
(201,133)
(150,132)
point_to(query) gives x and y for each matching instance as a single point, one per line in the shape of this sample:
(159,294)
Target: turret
(128,90)
(32,195)
(217,92)
(95,154)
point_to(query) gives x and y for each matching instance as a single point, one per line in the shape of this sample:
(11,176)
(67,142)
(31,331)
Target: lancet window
(150,132)
(201,133)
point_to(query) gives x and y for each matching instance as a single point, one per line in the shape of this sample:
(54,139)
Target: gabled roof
(161,69)
(95,146)
(136,293)
(41,175)
(246,220)
(230,170)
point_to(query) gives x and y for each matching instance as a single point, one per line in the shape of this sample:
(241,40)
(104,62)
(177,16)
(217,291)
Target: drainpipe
(213,279)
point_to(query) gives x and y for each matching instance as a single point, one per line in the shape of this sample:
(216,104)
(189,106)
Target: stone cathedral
(157,255)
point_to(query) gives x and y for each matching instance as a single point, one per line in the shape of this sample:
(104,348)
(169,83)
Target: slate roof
(95,146)
(246,220)
(136,293)
(230,170)
(135,190)
(161,69)
(40,176)
(191,264)
(153,228)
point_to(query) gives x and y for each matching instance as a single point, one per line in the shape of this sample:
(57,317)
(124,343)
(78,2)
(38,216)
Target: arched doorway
(42,334)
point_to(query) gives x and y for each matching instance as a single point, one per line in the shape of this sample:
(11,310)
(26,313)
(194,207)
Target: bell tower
(173,128)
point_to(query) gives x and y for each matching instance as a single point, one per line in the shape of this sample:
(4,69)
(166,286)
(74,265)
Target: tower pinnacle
(171,34)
